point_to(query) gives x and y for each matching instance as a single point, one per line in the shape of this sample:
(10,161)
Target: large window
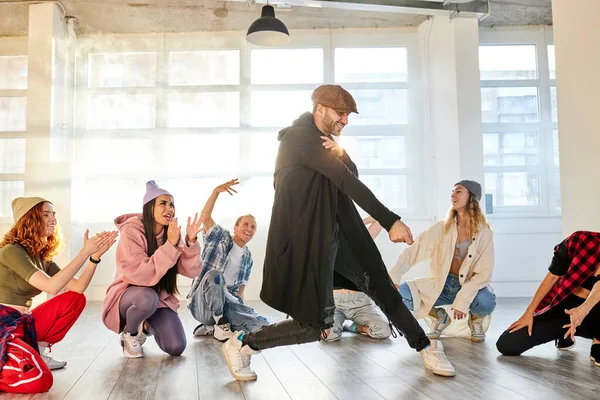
(13,107)
(520,143)
(192,118)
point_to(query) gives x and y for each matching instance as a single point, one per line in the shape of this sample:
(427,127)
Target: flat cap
(334,96)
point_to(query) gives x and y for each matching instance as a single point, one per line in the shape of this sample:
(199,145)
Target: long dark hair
(168,282)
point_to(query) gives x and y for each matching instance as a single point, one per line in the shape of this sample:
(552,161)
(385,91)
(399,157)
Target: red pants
(25,371)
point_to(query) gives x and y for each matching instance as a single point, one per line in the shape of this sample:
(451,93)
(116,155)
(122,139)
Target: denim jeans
(483,304)
(211,298)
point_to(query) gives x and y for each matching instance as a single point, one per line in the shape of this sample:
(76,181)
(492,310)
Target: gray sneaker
(440,321)
(477,330)
(52,363)
(204,330)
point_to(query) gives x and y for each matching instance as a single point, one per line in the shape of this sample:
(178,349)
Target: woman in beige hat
(26,270)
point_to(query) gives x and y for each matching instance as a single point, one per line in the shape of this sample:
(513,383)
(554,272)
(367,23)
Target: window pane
(556,189)
(554,105)
(513,188)
(552,61)
(13,114)
(510,149)
(113,155)
(263,152)
(256,198)
(219,67)
(382,64)
(507,62)
(509,104)
(555,147)
(122,70)
(201,154)
(389,189)
(376,152)
(13,72)
(94,200)
(12,156)
(279,66)
(279,108)
(9,190)
(122,111)
(380,107)
(204,110)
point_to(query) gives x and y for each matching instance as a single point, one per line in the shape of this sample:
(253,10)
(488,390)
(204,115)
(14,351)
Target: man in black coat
(317,241)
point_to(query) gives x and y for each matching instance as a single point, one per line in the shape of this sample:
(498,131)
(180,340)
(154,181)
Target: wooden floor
(356,367)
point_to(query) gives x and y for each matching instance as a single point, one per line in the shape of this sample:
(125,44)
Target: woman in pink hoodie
(150,254)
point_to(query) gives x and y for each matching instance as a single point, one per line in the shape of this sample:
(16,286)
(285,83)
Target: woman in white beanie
(461,252)
(150,255)
(26,270)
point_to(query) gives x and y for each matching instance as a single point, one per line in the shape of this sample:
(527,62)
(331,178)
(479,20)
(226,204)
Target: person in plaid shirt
(216,298)
(565,304)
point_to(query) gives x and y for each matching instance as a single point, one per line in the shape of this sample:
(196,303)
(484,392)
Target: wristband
(94,261)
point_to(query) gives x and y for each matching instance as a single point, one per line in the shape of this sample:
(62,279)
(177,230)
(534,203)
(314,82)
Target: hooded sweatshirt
(135,267)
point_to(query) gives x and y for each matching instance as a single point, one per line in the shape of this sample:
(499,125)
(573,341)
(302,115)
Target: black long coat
(313,189)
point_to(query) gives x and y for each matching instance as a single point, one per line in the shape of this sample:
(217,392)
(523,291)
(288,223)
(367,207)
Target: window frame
(545,168)
(325,39)
(13,47)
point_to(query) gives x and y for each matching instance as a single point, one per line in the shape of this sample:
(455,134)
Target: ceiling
(143,16)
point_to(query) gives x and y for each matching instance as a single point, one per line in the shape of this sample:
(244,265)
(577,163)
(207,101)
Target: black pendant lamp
(268,30)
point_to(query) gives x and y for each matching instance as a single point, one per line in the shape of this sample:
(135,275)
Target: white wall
(577,39)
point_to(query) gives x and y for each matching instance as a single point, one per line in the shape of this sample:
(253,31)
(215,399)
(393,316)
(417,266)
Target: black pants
(290,331)
(548,327)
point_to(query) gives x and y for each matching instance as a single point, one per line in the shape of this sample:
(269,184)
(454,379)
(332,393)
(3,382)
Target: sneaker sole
(432,335)
(55,367)
(440,373)
(222,339)
(477,340)
(235,376)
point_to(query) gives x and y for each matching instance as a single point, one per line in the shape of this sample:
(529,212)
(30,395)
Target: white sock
(217,318)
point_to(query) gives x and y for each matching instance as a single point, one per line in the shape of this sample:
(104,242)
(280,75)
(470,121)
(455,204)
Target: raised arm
(54,284)
(308,146)
(206,213)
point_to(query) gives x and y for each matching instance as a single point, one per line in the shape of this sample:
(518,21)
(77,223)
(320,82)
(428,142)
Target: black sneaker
(564,344)
(595,354)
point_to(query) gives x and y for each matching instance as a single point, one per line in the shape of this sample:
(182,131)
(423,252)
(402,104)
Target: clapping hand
(174,232)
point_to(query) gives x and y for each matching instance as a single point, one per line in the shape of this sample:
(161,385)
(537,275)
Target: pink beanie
(153,191)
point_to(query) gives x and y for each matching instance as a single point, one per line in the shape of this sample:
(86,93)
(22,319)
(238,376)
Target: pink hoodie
(134,267)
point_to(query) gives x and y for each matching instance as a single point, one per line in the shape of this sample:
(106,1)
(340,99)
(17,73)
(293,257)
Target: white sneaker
(52,363)
(131,346)
(238,358)
(223,332)
(438,323)
(477,330)
(204,330)
(142,336)
(436,361)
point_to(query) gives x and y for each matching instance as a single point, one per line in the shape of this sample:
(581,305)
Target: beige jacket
(433,245)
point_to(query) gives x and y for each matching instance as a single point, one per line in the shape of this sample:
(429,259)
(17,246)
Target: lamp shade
(268,30)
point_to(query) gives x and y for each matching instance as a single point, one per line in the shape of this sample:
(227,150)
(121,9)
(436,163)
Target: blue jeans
(209,299)
(483,304)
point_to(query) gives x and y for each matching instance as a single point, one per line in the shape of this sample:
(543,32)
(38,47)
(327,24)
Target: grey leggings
(140,303)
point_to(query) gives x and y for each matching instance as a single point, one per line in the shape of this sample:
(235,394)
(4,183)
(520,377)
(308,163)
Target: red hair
(30,233)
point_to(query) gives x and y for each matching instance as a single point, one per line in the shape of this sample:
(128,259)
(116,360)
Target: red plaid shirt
(584,255)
